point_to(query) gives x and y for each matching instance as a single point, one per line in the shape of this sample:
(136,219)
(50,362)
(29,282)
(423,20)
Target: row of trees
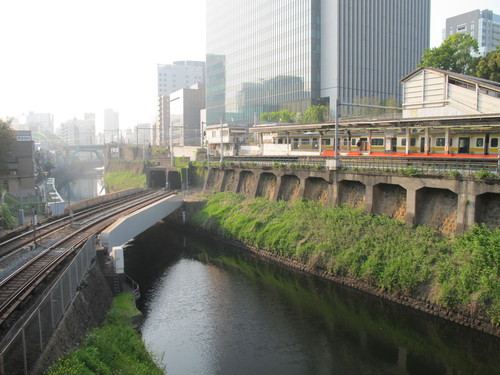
(315,114)
(458,53)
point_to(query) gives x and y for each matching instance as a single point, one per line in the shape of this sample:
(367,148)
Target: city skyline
(70,59)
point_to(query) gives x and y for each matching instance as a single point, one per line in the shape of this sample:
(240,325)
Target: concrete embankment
(421,303)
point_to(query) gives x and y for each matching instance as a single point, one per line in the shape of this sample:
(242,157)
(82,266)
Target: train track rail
(11,245)
(27,282)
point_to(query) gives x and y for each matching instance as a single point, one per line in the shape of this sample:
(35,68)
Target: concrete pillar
(369,145)
(335,191)
(368,199)
(427,147)
(276,193)
(466,211)
(411,206)
(237,181)
(447,141)
(408,139)
(302,187)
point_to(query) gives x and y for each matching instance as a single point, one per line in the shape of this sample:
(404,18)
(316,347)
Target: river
(210,309)
(87,185)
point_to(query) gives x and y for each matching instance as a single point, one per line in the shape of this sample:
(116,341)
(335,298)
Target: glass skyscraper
(269,55)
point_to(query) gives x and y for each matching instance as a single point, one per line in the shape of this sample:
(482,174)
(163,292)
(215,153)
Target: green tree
(284,116)
(7,137)
(488,66)
(315,114)
(455,54)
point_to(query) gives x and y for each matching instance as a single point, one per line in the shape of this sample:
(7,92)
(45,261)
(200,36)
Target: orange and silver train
(461,143)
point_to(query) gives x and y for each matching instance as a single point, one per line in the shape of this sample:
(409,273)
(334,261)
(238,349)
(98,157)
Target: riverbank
(116,347)
(453,278)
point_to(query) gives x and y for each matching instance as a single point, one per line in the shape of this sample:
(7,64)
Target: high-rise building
(173,77)
(265,56)
(79,132)
(482,25)
(111,126)
(179,75)
(185,107)
(40,122)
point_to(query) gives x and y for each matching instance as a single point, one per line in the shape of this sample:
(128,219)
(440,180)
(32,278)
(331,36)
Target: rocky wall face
(352,193)
(215,177)
(488,209)
(290,188)
(390,200)
(317,189)
(228,180)
(437,208)
(267,185)
(246,185)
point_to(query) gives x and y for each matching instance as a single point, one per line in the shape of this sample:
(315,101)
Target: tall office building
(40,122)
(268,55)
(185,107)
(111,126)
(179,75)
(482,25)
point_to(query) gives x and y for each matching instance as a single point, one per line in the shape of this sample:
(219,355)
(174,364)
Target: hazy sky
(69,57)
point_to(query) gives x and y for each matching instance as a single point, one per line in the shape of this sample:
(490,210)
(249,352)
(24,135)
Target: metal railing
(462,166)
(20,349)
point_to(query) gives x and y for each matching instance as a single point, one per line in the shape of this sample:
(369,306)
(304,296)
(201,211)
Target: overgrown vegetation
(115,181)
(461,273)
(115,348)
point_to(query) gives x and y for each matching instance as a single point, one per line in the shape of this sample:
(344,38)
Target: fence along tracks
(12,244)
(22,284)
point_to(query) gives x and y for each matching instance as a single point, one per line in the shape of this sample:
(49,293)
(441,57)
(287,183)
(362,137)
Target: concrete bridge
(447,204)
(128,227)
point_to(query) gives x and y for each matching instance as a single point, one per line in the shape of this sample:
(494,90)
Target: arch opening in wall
(488,210)
(246,183)
(267,185)
(289,187)
(228,180)
(317,189)
(437,208)
(352,193)
(389,200)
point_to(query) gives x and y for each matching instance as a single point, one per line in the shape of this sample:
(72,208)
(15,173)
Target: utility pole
(221,142)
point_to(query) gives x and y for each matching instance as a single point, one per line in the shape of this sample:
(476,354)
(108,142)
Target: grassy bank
(116,181)
(460,274)
(115,348)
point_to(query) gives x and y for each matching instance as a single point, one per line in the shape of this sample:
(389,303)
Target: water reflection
(212,310)
(88,185)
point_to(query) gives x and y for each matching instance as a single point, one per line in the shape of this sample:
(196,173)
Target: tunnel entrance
(157,179)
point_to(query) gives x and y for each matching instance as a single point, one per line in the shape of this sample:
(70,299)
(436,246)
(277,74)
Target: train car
(463,143)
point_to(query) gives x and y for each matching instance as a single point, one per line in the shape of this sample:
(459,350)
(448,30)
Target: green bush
(7,220)
(116,348)
(484,175)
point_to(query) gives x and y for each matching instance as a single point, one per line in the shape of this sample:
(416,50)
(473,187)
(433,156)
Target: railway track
(11,245)
(27,282)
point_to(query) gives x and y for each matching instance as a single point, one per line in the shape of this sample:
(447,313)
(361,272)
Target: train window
(377,141)
(413,142)
(353,142)
(494,142)
(345,141)
(304,141)
(403,142)
(327,142)
(451,141)
(480,142)
(440,142)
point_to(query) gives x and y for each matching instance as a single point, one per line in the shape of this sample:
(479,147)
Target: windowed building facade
(266,56)
(482,25)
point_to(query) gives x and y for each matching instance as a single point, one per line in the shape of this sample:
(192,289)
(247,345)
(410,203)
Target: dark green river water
(210,309)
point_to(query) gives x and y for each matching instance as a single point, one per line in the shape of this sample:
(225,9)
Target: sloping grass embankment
(461,274)
(115,348)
